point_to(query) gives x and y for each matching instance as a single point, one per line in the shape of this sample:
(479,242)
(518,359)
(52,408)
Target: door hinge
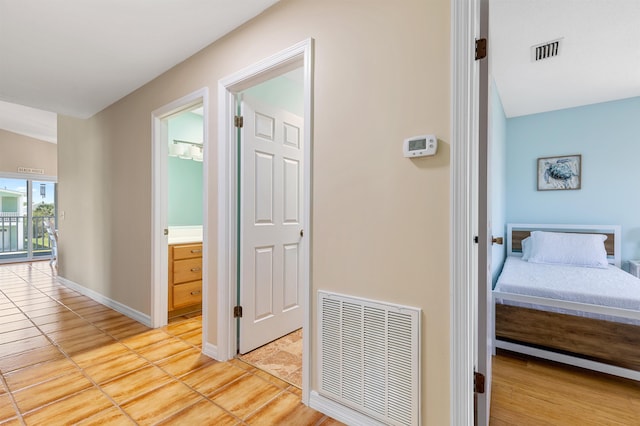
(475,239)
(481,48)
(237,311)
(478,382)
(238,121)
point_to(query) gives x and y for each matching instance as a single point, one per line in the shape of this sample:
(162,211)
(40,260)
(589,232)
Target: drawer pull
(196,251)
(196,269)
(195,292)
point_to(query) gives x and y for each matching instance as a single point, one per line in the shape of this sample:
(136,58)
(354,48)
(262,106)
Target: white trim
(464,30)
(104,300)
(571,360)
(226,217)
(159,242)
(292,57)
(340,412)
(210,350)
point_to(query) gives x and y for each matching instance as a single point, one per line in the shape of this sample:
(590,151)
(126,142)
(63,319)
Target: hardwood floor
(66,359)
(527,391)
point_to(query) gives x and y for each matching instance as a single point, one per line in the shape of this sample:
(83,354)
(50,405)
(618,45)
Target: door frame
(465,29)
(484,231)
(159,205)
(300,54)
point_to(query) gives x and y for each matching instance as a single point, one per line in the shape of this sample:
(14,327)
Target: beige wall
(380,221)
(22,151)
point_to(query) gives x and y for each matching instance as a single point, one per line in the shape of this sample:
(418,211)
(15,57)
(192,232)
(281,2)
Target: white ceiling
(32,122)
(76,57)
(599,60)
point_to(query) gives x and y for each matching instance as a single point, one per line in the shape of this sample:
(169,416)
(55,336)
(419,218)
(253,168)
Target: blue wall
(185,176)
(281,92)
(498,184)
(607,135)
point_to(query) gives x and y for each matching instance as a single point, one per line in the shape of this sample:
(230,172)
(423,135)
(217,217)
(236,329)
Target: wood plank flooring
(65,359)
(528,391)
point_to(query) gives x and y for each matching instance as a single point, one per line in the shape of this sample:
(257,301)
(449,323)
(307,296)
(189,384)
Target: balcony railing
(14,234)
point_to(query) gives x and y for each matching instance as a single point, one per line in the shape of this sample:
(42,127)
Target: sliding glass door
(25,207)
(13,215)
(43,213)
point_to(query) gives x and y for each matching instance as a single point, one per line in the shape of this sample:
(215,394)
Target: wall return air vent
(370,357)
(546,50)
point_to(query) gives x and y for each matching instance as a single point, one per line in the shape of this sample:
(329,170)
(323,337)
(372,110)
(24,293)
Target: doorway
(235,90)
(270,194)
(184,211)
(180,141)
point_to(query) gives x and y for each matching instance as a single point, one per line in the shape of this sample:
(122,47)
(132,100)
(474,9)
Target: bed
(562,296)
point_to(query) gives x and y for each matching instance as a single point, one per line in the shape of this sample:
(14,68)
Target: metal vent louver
(370,357)
(546,50)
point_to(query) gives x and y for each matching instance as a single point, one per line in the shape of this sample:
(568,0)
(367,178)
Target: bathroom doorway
(179,272)
(185,193)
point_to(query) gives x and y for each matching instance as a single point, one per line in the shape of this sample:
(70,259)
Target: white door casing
(465,24)
(271,211)
(300,54)
(485,234)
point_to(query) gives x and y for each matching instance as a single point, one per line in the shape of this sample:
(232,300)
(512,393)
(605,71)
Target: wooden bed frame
(600,345)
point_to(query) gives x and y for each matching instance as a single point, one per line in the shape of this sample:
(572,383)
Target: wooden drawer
(187,251)
(187,270)
(187,294)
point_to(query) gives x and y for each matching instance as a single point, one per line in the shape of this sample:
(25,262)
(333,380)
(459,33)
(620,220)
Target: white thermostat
(420,146)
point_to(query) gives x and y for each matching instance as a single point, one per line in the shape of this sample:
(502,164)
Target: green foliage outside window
(44,209)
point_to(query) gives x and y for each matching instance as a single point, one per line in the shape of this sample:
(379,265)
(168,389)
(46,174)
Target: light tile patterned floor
(67,359)
(282,358)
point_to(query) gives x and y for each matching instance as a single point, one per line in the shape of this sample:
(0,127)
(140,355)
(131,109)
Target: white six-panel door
(271,228)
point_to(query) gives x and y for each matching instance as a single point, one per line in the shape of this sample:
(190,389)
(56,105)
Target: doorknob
(497,240)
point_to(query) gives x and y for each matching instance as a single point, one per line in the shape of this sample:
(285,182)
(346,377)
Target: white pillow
(568,249)
(526,248)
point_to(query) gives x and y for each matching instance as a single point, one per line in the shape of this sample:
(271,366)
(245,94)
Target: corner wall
(380,221)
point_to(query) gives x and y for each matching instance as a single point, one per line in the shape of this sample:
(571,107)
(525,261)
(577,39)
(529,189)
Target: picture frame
(559,173)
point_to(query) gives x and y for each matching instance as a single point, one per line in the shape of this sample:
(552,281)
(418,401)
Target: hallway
(67,359)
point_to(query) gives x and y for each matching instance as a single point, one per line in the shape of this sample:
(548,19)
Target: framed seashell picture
(559,172)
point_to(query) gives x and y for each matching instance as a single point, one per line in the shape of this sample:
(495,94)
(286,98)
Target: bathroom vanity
(185,272)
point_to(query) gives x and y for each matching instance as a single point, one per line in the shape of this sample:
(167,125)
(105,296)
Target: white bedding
(611,287)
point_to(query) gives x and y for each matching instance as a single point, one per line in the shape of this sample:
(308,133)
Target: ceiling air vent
(545,50)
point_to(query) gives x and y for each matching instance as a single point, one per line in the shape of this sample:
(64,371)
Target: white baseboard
(339,412)
(113,304)
(210,350)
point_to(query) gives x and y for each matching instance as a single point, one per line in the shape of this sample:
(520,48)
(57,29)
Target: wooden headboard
(516,232)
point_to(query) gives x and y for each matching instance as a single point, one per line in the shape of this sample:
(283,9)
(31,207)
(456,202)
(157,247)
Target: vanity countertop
(185,234)
(184,240)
